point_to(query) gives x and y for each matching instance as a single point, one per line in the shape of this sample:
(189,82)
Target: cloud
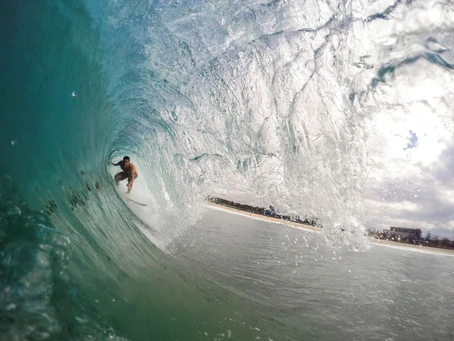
(423,198)
(411,150)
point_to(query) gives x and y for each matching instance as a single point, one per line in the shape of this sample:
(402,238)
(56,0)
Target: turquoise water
(205,98)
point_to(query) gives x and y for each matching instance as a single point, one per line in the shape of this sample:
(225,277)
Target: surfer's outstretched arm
(116,164)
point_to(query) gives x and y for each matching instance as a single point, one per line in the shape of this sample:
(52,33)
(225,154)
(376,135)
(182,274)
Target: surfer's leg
(130,178)
(129,185)
(120,177)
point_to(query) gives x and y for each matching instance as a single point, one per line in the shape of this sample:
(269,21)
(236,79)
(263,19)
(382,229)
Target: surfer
(129,172)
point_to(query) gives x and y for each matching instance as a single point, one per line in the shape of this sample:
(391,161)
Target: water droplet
(13,142)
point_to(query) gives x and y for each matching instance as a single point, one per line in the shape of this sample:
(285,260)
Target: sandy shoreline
(424,249)
(265,218)
(385,243)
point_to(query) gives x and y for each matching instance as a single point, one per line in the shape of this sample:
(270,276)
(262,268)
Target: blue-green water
(206,98)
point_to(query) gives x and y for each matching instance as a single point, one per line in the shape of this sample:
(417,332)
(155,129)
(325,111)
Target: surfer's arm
(116,164)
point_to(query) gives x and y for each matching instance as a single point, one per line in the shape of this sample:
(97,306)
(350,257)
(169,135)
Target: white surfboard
(136,202)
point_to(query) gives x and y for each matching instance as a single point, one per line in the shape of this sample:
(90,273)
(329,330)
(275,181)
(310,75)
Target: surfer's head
(126,159)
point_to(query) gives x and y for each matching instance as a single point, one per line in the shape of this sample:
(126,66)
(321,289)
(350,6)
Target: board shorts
(123,176)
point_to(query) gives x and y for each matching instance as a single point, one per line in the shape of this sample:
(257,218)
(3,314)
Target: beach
(265,218)
(418,248)
(374,241)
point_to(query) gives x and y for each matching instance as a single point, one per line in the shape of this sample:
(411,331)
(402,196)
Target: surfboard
(136,202)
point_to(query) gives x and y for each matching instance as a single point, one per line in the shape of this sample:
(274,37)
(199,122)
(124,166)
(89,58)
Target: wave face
(278,100)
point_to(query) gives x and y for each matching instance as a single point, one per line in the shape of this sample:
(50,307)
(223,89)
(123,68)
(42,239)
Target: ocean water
(277,100)
(300,289)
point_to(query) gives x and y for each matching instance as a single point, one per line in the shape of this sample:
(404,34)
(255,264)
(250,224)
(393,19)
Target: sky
(412,152)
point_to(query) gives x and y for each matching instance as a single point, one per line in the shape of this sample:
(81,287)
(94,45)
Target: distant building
(405,233)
